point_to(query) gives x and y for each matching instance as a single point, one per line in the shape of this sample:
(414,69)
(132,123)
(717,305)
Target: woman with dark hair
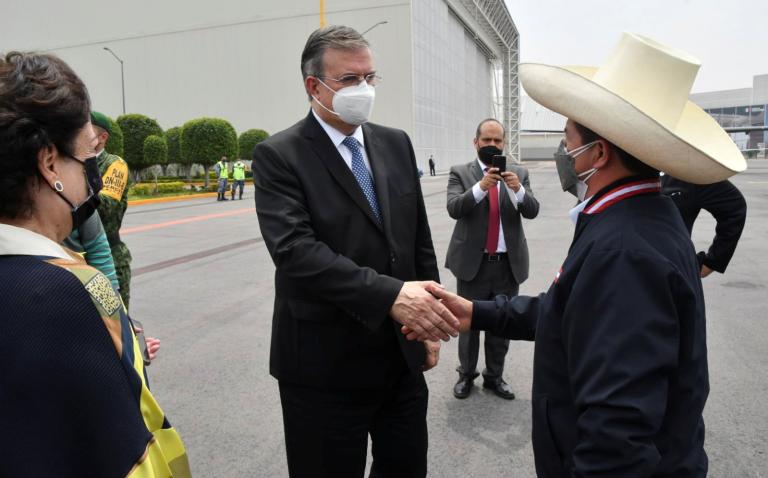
(74,399)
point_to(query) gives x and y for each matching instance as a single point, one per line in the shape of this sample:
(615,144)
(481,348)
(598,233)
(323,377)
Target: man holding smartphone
(488,252)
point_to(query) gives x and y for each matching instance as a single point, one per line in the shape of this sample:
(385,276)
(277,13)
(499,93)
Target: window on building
(741,118)
(728,116)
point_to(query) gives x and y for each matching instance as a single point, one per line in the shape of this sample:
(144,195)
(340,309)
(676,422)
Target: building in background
(446,64)
(541,130)
(744,109)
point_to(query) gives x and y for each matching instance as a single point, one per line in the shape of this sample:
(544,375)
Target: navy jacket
(726,204)
(620,363)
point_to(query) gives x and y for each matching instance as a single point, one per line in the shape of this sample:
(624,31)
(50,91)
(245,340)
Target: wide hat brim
(696,150)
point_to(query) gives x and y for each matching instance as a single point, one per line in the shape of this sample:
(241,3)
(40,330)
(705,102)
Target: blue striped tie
(362,175)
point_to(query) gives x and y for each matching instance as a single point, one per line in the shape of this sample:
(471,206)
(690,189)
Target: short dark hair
(42,103)
(488,120)
(630,162)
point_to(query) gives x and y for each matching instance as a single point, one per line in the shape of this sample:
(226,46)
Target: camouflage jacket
(114,202)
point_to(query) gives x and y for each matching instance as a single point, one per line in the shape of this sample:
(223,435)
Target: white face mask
(353,104)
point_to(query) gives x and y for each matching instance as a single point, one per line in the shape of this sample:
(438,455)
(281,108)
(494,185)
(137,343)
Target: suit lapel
(377,157)
(329,155)
(477,173)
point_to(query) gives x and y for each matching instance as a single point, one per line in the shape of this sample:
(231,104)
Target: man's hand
(511,180)
(425,316)
(490,179)
(459,306)
(153,346)
(705,271)
(433,354)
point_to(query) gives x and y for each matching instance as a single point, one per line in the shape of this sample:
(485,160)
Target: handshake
(427,312)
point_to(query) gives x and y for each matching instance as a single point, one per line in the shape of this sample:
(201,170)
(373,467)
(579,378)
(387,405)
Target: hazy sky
(730,38)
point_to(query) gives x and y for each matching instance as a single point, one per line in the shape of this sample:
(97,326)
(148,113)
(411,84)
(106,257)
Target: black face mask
(84,210)
(94,176)
(486,154)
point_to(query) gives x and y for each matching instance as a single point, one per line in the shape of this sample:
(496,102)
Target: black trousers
(493,278)
(326,431)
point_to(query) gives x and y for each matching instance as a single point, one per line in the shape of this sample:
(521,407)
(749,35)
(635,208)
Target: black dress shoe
(500,388)
(462,387)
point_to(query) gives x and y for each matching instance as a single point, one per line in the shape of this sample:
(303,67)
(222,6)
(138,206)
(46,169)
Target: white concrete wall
(234,59)
(452,80)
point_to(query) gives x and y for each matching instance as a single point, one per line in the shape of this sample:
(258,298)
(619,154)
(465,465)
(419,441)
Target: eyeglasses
(352,80)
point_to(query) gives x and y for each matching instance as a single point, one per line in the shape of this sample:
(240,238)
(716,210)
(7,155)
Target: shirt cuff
(478,192)
(520,194)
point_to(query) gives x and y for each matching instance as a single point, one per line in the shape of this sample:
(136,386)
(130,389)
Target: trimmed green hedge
(115,142)
(249,139)
(136,128)
(148,189)
(173,139)
(155,150)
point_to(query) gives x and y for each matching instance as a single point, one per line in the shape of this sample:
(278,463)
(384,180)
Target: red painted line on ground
(205,217)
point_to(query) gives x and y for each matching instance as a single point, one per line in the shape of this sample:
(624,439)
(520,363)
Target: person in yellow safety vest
(223,174)
(238,178)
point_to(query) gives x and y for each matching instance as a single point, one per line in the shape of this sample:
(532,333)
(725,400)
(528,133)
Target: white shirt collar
(482,165)
(337,136)
(574,213)
(23,242)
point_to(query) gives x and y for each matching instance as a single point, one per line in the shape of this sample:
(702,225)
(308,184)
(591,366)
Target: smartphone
(499,161)
(138,329)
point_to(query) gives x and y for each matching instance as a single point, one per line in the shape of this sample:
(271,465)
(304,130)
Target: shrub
(115,142)
(248,140)
(136,128)
(155,151)
(148,189)
(205,140)
(173,187)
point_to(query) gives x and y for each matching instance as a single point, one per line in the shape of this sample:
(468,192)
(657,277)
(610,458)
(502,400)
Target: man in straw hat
(620,364)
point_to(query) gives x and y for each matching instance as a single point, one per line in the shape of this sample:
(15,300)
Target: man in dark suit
(342,215)
(726,204)
(488,253)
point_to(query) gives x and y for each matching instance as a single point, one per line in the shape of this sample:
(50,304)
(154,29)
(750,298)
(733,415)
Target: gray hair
(337,37)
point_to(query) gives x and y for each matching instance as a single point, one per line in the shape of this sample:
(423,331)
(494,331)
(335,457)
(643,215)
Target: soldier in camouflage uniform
(114,201)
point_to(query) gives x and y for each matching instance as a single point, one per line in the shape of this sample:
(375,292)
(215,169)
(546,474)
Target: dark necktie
(362,175)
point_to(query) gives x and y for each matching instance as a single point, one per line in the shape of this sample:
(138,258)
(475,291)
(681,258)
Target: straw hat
(638,100)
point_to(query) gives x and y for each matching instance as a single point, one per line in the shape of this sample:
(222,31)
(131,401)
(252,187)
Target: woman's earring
(58,186)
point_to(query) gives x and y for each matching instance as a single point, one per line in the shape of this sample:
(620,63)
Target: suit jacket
(726,204)
(338,271)
(465,251)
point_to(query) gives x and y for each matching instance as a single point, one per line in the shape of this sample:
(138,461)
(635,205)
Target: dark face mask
(84,210)
(566,170)
(94,176)
(486,154)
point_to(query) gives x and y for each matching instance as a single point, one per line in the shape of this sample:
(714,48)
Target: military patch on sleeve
(115,180)
(102,292)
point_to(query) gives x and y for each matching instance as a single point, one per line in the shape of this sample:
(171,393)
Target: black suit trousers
(326,431)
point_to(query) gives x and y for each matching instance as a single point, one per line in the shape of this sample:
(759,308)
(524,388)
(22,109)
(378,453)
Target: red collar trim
(623,192)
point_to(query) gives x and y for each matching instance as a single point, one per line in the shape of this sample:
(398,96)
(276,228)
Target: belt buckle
(494,258)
